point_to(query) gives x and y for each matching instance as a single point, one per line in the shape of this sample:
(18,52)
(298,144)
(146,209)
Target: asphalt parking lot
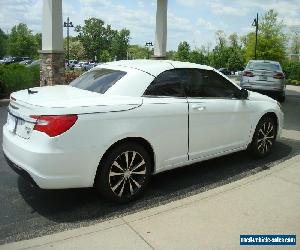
(26,212)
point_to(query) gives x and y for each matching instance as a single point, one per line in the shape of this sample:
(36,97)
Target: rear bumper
(271,93)
(274,92)
(48,167)
(256,86)
(20,171)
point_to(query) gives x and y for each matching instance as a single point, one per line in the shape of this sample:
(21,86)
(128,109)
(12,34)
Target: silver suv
(265,77)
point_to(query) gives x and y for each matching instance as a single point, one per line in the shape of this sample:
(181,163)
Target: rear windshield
(264,66)
(99,80)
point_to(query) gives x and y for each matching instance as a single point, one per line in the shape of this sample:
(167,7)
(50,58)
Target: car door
(166,107)
(219,120)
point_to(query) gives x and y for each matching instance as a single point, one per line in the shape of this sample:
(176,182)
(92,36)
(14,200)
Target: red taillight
(278,76)
(54,125)
(248,73)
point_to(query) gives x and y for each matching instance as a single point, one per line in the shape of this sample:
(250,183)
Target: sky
(194,21)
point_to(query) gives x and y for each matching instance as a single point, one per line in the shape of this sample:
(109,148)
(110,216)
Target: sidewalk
(265,203)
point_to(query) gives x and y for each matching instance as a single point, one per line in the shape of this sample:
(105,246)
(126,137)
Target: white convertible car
(121,122)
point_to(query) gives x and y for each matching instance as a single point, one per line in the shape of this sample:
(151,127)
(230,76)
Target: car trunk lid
(60,100)
(265,76)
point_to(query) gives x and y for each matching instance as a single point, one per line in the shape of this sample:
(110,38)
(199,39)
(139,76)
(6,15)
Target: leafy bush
(15,77)
(71,75)
(291,70)
(293,82)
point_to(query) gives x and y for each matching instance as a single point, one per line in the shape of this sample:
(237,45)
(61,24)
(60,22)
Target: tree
(137,52)
(235,61)
(221,52)
(105,56)
(295,40)
(183,52)
(171,54)
(21,41)
(3,43)
(38,40)
(236,54)
(119,44)
(208,54)
(228,52)
(197,56)
(76,50)
(271,39)
(234,41)
(95,36)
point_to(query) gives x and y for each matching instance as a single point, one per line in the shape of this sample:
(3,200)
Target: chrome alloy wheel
(127,174)
(265,138)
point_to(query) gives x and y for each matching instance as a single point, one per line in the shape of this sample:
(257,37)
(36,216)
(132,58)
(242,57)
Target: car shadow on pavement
(79,207)
(291,111)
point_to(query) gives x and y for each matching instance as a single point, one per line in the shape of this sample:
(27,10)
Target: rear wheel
(264,137)
(124,173)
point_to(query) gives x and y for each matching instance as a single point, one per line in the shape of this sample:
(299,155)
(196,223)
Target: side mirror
(244,94)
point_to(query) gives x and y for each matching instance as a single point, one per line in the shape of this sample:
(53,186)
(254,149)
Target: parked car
(5,60)
(121,122)
(84,66)
(26,62)
(266,77)
(15,59)
(36,62)
(225,71)
(8,60)
(72,63)
(79,65)
(88,66)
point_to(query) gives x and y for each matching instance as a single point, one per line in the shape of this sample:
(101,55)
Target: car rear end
(56,135)
(43,138)
(42,148)
(265,77)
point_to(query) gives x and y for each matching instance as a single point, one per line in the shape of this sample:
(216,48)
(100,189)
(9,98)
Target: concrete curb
(4,102)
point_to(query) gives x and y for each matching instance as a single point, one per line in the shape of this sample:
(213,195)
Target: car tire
(124,172)
(264,137)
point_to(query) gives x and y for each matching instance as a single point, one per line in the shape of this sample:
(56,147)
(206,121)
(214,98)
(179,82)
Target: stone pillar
(52,67)
(52,53)
(161,30)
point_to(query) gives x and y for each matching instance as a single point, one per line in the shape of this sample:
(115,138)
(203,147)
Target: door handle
(199,107)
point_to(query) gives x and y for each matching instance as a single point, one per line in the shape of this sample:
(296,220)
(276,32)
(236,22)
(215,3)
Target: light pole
(68,25)
(255,24)
(148,45)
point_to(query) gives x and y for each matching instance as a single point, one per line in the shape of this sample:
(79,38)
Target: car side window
(169,83)
(207,83)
